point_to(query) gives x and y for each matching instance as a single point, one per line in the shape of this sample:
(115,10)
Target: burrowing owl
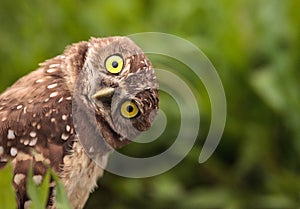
(73,110)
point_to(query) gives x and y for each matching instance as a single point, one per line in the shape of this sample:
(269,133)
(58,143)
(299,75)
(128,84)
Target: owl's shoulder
(36,112)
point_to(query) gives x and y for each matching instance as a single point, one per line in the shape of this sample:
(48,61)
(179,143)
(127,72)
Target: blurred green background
(255,47)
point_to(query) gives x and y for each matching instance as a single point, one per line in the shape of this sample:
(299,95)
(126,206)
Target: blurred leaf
(7,193)
(207,198)
(61,199)
(266,85)
(38,193)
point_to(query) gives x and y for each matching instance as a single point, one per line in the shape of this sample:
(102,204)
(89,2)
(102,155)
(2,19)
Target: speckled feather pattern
(36,121)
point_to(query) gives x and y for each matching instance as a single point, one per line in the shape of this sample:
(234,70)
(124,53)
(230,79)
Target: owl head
(115,96)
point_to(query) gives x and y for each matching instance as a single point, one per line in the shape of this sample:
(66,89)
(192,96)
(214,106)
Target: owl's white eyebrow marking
(32,134)
(64,136)
(51,86)
(18,178)
(11,134)
(39,81)
(53,94)
(38,179)
(13,151)
(1,150)
(19,107)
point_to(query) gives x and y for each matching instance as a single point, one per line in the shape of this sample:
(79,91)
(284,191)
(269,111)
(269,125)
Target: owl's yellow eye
(114,64)
(129,109)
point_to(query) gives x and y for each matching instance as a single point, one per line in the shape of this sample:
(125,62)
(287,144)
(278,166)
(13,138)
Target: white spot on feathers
(54,65)
(10,134)
(51,86)
(38,179)
(19,107)
(18,178)
(32,134)
(3,159)
(64,117)
(60,100)
(39,81)
(26,142)
(13,151)
(64,136)
(53,94)
(33,142)
(51,70)
(1,150)
(27,204)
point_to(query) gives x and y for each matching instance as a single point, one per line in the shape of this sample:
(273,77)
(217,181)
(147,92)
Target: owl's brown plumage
(108,84)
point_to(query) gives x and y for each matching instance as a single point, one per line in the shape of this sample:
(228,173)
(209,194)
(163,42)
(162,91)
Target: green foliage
(37,193)
(254,46)
(60,193)
(7,193)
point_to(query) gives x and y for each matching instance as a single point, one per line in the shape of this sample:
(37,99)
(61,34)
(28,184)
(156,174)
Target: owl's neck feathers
(74,63)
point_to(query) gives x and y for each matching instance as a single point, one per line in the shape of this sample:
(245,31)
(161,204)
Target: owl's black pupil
(114,64)
(129,108)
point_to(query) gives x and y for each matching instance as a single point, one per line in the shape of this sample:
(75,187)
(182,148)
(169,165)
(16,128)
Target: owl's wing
(36,124)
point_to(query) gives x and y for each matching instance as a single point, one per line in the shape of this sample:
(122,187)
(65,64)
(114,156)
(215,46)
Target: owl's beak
(104,93)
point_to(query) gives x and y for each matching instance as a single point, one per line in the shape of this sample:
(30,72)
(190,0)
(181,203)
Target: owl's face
(118,83)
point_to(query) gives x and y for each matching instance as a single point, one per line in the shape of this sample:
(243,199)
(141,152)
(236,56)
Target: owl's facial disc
(124,91)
